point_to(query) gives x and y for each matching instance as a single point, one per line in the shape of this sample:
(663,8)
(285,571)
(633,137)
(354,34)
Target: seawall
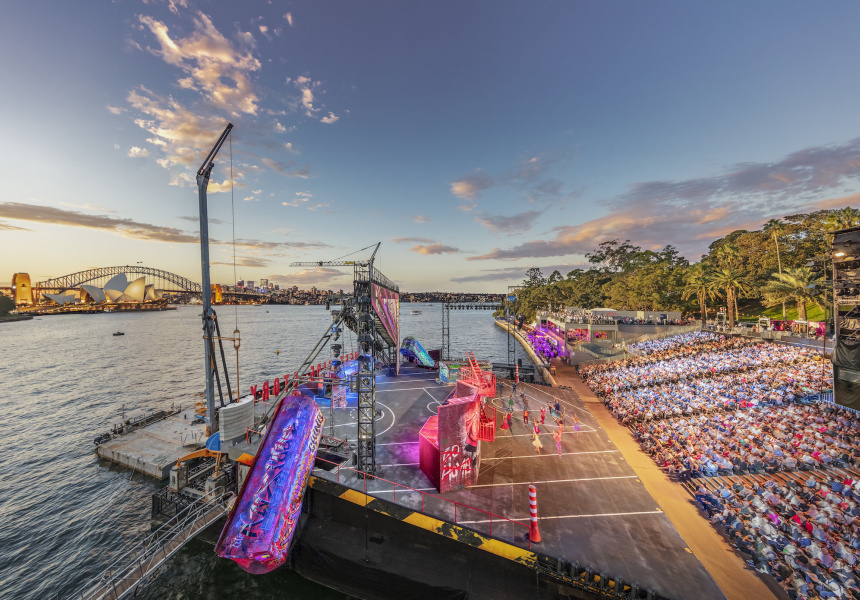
(543,370)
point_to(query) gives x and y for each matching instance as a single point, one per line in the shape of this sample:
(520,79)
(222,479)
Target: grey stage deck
(592,508)
(154,449)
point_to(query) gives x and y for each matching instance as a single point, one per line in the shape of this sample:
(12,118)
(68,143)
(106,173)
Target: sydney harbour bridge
(164,281)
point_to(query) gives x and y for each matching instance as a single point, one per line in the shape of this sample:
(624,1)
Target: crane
(209,319)
(341,263)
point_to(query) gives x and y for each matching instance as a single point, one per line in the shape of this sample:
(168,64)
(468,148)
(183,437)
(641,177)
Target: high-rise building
(264,283)
(249,284)
(277,287)
(240,285)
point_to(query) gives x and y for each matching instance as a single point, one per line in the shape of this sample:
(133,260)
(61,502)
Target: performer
(576,426)
(542,415)
(557,437)
(526,416)
(536,439)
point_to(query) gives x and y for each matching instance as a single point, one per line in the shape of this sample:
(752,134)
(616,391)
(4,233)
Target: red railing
(424,495)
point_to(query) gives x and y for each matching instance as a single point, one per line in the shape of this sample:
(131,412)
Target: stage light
(839,254)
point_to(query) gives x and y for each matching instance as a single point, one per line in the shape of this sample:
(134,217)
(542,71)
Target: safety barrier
(126,573)
(493,518)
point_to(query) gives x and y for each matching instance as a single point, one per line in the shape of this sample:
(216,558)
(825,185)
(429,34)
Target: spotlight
(839,254)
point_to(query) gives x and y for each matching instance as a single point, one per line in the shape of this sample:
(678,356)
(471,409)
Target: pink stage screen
(386,304)
(260,527)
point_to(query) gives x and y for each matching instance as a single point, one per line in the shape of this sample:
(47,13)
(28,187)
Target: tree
(699,285)
(797,285)
(613,255)
(6,305)
(556,276)
(842,219)
(775,228)
(534,278)
(728,284)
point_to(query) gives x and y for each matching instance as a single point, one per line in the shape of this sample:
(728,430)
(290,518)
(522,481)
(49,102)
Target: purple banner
(258,532)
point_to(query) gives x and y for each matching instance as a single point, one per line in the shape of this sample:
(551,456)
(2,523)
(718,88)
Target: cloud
(213,65)
(135,229)
(250,262)
(435,249)
(412,240)
(421,219)
(302,200)
(115,110)
(468,206)
(331,118)
(279,128)
(197,220)
(7,227)
(126,227)
(511,225)
(289,18)
(135,152)
(264,29)
(513,273)
(287,168)
(690,213)
(469,188)
(316,275)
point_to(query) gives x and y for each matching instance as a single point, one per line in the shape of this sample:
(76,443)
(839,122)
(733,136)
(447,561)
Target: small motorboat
(119,333)
(415,312)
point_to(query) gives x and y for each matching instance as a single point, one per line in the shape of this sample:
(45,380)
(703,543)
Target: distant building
(249,285)
(22,293)
(277,287)
(240,285)
(264,283)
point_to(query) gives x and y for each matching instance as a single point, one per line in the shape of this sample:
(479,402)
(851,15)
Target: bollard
(534,532)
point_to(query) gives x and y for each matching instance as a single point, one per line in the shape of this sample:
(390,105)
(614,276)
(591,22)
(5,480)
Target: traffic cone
(534,532)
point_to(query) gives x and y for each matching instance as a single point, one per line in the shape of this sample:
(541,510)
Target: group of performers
(556,413)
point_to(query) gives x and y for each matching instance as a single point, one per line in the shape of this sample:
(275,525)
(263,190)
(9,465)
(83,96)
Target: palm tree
(796,285)
(775,227)
(842,219)
(729,284)
(699,285)
(729,256)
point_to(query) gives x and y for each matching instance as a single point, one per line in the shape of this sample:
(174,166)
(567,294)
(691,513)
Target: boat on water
(415,312)
(120,333)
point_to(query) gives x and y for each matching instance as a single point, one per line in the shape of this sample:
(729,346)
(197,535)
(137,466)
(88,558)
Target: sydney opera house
(118,289)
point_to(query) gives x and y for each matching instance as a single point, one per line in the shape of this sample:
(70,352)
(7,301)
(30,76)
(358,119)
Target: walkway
(737,581)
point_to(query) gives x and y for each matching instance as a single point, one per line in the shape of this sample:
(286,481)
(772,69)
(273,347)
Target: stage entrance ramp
(415,353)
(261,525)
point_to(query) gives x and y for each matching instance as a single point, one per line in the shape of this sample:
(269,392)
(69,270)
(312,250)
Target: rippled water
(65,379)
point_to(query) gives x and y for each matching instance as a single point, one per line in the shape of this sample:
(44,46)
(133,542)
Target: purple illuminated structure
(260,527)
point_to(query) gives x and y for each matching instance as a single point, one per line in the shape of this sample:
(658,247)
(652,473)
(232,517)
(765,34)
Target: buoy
(277,351)
(534,532)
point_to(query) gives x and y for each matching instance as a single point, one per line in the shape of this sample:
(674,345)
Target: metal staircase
(124,575)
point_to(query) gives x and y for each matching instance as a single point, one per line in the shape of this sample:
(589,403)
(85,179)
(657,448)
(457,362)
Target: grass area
(752,310)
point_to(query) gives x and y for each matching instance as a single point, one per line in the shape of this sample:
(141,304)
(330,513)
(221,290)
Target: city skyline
(474,141)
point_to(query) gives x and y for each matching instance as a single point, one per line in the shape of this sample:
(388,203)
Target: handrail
(130,565)
(424,495)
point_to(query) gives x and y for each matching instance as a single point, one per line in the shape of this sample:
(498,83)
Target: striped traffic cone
(534,532)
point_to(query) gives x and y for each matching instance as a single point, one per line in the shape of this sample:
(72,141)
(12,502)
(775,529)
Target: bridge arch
(76,280)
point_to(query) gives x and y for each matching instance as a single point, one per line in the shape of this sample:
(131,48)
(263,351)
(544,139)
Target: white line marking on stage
(553,481)
(393,419)
(548,454)
(644,512)
(399,465)
(401,390)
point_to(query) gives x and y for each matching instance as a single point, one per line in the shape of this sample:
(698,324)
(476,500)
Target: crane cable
(233,220)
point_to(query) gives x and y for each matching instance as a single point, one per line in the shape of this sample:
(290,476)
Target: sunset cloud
(690,213)
(435,249)
(469,188)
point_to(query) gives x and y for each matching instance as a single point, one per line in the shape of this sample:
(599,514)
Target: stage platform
(593,510)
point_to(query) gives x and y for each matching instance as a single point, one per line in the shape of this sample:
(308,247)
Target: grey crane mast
(209,317)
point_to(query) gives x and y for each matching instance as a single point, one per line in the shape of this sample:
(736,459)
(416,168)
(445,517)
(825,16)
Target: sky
(473,139)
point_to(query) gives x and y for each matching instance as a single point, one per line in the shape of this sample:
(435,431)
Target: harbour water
(66,379)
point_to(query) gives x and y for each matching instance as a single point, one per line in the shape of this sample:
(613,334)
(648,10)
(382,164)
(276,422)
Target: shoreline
(13,318)
(538,362)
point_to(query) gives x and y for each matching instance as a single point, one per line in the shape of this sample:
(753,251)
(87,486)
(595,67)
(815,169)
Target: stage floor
(592,507)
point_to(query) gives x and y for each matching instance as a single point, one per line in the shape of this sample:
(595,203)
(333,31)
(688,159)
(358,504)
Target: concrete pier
(154,449)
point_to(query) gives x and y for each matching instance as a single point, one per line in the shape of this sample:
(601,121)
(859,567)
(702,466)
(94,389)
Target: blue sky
(475,140)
